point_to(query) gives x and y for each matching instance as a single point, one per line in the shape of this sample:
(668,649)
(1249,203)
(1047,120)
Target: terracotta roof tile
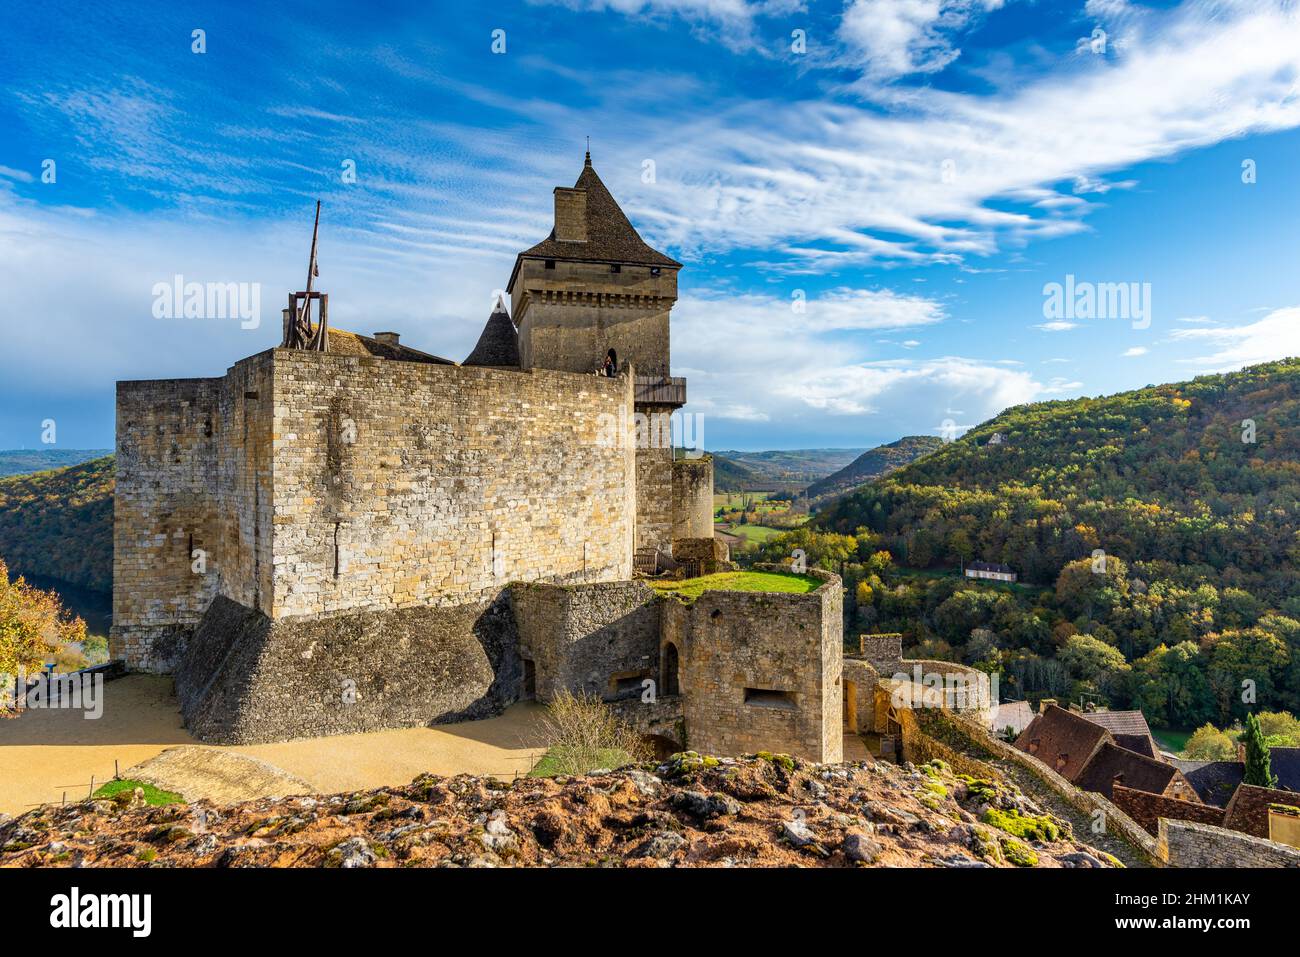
(1113,764)
(1062,740)
(1214,781)
(1120,722)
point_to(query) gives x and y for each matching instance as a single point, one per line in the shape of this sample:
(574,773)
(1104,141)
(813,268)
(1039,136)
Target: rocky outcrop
(690,811)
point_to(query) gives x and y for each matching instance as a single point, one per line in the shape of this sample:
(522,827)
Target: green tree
(1258,769)
(1208,743)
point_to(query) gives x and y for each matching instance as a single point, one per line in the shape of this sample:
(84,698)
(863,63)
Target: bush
(584,734)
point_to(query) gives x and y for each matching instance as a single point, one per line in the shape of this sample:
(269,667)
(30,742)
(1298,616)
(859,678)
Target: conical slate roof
(499,343)
(611,237)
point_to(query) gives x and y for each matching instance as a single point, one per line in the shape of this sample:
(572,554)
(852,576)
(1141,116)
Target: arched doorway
(668,673)
(611,363)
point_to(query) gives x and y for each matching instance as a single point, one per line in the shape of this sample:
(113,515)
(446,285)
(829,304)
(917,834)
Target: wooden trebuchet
(299,331)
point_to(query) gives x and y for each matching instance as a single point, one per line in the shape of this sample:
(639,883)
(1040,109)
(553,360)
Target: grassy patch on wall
(692,588)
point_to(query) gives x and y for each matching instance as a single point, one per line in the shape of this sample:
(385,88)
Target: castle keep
(344,533)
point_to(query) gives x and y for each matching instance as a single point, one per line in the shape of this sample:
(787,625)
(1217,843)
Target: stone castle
(362,535)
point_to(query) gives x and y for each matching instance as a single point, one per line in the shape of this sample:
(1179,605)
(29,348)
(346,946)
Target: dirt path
(44,753)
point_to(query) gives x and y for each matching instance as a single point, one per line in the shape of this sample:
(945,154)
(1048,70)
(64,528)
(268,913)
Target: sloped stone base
(245,679)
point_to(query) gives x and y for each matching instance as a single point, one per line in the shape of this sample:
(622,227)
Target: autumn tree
(34,627)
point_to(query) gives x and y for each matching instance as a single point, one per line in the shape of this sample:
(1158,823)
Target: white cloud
(746,352)
(1057,325)
(823,185)
(895,38)
(1276,336)
(1059,385)
(1133,352)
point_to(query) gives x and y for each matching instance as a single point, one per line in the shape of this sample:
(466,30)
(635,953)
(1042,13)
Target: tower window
(770,698)
(550,264)
(654,270)
(615,267)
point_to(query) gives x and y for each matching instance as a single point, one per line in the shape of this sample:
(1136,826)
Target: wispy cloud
(1276,336)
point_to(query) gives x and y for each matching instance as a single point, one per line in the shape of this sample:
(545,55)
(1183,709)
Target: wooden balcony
(660,390)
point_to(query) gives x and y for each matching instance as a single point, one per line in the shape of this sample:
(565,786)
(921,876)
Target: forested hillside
(872,464)
(24,461)
(1159,474)
(786,470)
(60,524)
(1156,534)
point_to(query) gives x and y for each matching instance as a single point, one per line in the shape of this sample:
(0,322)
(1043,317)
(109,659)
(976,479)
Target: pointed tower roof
(611,237)
(498,345)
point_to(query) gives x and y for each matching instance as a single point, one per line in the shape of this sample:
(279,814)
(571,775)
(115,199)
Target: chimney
(387,338)
(570,215)
(1045,704)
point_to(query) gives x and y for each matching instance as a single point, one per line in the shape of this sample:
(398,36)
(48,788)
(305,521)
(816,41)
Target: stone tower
(592,286)
(595,290)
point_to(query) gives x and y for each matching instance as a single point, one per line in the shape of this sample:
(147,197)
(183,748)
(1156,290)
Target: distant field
(754,533)
(737,499)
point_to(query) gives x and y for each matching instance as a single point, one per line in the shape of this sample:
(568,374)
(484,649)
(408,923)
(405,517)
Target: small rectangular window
(615,267)
(654,270)
(550,264)
(626,684)
(770,698)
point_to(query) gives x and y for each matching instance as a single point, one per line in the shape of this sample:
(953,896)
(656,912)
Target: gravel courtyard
(45,753)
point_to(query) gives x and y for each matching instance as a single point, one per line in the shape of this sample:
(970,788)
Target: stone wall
(709,555)
(693,498)
(400,484)
(315,483)
(601,638)
(192,507)
(760,671)
(246,678)
(883,652)
(862,678)
(1188,844)
(654,479)
(1147,808)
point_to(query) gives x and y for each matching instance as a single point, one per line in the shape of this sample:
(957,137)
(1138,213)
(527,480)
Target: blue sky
(914,173)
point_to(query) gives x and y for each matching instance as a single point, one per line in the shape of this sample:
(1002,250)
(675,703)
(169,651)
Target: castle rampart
(315,483)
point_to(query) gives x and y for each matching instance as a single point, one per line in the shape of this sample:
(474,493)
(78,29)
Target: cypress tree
(1258,769)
